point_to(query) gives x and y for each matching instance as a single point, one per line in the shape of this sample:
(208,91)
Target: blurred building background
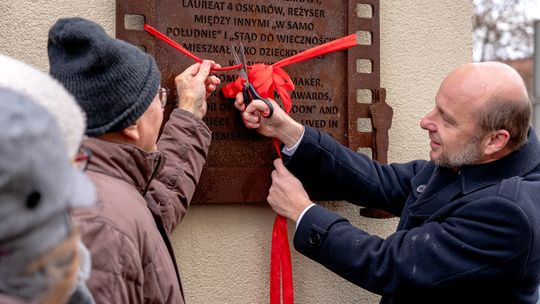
(503,30)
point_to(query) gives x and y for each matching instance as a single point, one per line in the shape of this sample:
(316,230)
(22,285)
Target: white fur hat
(38,188)
(49,93)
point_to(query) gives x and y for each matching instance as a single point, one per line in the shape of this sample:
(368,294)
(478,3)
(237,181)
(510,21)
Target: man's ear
(495,141)
(132,132)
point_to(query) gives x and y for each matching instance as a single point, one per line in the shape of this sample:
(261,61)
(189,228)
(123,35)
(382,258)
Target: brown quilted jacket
(142,196)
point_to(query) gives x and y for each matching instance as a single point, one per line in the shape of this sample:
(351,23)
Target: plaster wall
(223,250)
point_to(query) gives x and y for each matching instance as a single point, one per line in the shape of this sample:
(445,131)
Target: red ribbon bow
(266,79)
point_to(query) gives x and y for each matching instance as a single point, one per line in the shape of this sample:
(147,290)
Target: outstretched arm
(184,143)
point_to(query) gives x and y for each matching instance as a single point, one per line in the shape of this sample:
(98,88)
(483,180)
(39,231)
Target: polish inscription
(270,32)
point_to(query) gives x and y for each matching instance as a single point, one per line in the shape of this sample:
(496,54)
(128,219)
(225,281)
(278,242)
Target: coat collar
(123,161)
(517,163)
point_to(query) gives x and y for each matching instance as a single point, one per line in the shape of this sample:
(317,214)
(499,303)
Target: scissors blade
(242,72)
(244,62)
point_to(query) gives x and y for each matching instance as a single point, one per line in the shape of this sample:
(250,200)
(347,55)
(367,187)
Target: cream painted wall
(223,250)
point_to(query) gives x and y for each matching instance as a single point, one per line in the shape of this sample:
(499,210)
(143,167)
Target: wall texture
(223,250)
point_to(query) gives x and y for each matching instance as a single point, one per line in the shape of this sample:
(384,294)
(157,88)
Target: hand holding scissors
(248,91)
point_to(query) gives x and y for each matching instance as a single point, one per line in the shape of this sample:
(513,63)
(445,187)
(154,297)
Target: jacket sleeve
(330,171)
(184,143)
(115,275)
(470,243)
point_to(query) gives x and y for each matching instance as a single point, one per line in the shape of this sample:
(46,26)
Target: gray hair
(503,113)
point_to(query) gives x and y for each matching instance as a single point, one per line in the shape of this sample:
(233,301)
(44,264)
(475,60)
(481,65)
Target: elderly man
(469,229)
(144,185)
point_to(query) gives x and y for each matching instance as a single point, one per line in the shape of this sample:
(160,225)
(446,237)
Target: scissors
(248,91)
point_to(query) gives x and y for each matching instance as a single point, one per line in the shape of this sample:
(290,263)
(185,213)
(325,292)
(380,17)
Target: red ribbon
(280,254)
(182,49)
(280,263)
(267,79)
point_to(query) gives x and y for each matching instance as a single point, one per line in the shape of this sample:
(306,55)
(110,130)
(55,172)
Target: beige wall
(223,250)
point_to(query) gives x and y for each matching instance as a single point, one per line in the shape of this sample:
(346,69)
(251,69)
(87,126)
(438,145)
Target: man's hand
(287,195)
(279,125)
(194,86)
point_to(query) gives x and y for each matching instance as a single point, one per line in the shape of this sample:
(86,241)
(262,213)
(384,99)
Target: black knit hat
(113,81)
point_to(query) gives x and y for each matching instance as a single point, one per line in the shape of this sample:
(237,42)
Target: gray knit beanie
(113,81)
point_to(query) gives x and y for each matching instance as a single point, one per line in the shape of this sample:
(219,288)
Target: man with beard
(469,229)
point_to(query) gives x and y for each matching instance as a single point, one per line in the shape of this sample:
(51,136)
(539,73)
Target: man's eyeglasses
(163,94)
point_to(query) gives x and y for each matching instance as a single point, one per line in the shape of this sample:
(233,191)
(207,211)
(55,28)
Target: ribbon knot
(266,79)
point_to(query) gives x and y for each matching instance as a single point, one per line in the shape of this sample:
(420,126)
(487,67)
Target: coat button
(314,239)
(421,188)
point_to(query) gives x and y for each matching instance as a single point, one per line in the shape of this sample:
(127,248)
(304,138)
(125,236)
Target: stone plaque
(240,161)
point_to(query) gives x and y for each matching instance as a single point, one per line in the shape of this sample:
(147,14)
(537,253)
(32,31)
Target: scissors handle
(252,94)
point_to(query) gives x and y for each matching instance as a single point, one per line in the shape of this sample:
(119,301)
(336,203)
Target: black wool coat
(467,236)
